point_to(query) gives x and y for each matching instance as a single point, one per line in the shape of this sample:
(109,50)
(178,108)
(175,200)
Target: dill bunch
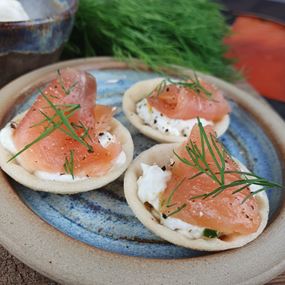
(161,33)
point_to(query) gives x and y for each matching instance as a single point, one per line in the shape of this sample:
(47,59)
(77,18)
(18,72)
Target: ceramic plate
(94,238)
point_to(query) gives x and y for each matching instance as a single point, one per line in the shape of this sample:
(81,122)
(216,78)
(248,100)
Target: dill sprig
(46,132)
(177,210)
(209,233)
(66,91)
(189,33)
(69,164)
(81,126)
(59,121)
(70,131)
(193,84)
(168,205)
(188,83)
(197,159)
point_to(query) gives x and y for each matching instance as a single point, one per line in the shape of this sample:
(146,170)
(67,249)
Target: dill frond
(161,33)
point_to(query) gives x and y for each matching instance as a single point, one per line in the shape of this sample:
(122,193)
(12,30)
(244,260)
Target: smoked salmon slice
(227,213)
(177,101)
(73,94)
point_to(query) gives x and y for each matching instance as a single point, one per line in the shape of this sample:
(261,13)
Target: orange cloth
(259,47)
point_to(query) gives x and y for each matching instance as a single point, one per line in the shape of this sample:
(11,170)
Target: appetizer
(166,110)
(196,195)
(65,143)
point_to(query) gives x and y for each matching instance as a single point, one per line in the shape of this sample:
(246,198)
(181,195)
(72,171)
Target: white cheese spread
(154,181)
(164,124)
(188,230)
(6,138)
(105,138)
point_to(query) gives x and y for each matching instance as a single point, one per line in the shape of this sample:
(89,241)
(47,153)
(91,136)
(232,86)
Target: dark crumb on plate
(163,168)
(13,125)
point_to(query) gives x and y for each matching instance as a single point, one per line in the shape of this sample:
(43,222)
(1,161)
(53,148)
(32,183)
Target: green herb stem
(178,209)
(197,159)
(69,164)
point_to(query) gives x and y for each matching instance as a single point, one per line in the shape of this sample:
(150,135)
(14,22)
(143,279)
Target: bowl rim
(67,13)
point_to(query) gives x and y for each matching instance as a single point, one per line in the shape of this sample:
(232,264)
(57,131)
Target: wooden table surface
(14,272)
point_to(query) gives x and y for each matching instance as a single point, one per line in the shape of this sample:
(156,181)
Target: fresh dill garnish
(188,83)
(210,233)
(172,193)
(158,89)
(197,159)
(46,132)
(81,126)
(193,84)
(69,164)
(70,130)
(177,210)
(57,121)
(161,34)
(65,90)
(161,87)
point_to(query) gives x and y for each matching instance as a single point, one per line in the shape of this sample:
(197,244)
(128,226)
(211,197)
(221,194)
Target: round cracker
(24,177)
(160,154)
(139,91)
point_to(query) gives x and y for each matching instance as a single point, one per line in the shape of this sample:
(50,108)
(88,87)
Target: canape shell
(139,91)
(159,155)
(28,179)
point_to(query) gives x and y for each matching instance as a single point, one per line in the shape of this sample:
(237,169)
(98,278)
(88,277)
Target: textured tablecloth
(14,272)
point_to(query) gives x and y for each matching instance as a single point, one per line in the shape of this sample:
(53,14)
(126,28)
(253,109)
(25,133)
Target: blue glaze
(45,34)
(103,219)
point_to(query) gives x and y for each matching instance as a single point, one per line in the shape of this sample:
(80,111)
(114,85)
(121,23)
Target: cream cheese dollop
(6,138)
(188,230)
(151,183)
(177,127)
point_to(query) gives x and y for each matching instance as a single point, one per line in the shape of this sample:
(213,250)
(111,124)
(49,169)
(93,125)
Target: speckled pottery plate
(94,238)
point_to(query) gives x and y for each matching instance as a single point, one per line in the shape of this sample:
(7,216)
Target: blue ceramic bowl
(27,45)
